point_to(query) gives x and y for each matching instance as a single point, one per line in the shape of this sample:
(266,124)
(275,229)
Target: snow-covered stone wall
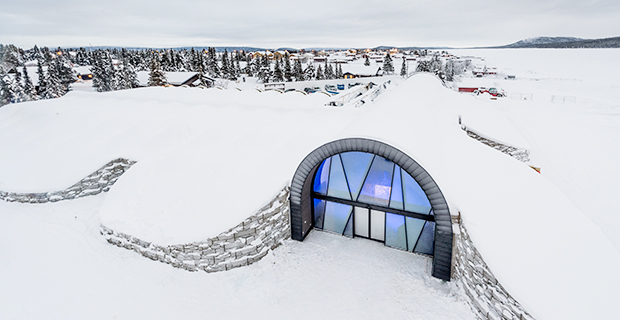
(520,154)
(239,246)
(486,295)
(95,183)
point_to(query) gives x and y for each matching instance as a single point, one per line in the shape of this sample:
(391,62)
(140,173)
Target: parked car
(311,90)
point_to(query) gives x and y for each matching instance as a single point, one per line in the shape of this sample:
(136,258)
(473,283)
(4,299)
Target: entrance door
(369,223)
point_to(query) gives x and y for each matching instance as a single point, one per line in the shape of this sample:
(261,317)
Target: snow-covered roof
(174,78)
(83,69)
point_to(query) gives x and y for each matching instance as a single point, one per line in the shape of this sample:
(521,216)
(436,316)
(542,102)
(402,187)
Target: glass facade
(359,194)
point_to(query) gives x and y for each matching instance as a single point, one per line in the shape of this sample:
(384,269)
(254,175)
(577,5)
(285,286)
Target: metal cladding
(301,201)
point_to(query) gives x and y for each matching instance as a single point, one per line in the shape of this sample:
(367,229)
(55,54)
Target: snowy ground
(572,125)
(56,266)
(544,251)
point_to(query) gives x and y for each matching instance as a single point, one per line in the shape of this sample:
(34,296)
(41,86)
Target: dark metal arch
(301,204)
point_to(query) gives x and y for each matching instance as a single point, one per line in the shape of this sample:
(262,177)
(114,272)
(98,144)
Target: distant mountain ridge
(564,43)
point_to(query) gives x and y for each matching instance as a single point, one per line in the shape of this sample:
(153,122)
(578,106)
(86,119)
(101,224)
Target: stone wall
(95,183)
(487,297)
(520,154)
(240,246)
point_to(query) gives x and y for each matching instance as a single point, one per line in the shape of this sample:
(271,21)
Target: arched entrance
(366,188)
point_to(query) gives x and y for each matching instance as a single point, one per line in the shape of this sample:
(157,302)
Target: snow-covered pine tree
(298,72)
(132,75)
(6,93)
(41,83)
(339,73)
(330,73)
(288,72)
(65,73)
(367,61)
(18,88)
(54,86)
(29,89)
(448,70)
(319,73)
(278,75)
(309,72)
(403,68)
(388,66)
(225,67)
(213,68)
(157,77)
(423,66)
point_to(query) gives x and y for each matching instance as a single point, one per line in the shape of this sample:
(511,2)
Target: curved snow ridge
(242,245)
(99,181)
(520,154)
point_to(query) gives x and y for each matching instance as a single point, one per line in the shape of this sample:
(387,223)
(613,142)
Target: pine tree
(41,83)
(54,86)
(319,73)
(225,68)
(388,66)
(298,73)
(18,89)
(29,90)
(448,70)
(157,77)
(6,94)
(309,73)
(403,68)
(329,72)
(338,74)
(212,67)
(367,61)
(278,76)
(288,73)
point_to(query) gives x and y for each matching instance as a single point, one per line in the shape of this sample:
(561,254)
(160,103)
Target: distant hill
(565,42)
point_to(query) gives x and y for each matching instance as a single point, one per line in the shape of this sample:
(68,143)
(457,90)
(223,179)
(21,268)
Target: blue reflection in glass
(321,178)
(356,165)
(376,189)
(337,186)
(415,198)
(336,216)
(395,231)
(319,213)
(396,201)
(348,230)
(414,228)
(425,243)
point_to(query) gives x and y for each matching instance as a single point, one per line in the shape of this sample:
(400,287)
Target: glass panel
(396,201)
(377,225)
(425,244)
(336,216)
(414,228)
(321,177)
(361,222)
(337,187)
(356,165)
(415,198)
(395,231)
(376,189)
(348,230)
(319,213)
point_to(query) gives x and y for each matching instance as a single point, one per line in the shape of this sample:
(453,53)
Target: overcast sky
(301,24)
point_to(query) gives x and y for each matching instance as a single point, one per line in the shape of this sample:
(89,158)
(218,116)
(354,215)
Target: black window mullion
(419,236)
(416,215)
(366,176)
(344,171)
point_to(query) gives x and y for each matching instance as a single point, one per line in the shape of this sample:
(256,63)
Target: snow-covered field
(534,231)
